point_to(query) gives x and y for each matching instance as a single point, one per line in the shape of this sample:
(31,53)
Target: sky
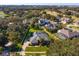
(37,2)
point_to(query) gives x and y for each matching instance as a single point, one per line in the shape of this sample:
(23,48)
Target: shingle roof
(68,33)
(39,35)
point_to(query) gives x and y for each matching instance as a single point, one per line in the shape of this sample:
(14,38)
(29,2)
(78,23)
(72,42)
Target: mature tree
(68,13)
(13,36)
(53,18)
(64,48)
(3,39)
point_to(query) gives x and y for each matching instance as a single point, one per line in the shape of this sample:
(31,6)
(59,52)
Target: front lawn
(37,49)
(34,30)
(35,54)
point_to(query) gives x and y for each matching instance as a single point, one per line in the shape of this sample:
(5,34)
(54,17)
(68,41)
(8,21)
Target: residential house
(24,21)
(6,52)
(40,37)
(65,20)
(43,22)
(67,33)
(58,18)
(76,23)
(51,26)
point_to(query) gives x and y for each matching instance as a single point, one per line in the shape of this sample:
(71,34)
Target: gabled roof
(69,33)
(39,36)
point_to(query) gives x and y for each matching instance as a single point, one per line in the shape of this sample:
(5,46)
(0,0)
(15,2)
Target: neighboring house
(6,52)
(48,24)
(8,44)
(51,26)
(76,23)
(65,20)
(43,22)
(40,37)
(24,21)
(68,33)
(58,18)
(10,23)
(10,26)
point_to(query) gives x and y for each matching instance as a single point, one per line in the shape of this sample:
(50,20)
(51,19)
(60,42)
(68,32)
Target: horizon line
(44,4)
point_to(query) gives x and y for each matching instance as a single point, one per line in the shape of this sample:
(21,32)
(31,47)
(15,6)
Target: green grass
(34,30)
(1,49)
(37,49)
(2,13)
(35,54)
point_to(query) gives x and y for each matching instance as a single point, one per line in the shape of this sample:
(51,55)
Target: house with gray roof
(67,33)
(51,26)
(39,37)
